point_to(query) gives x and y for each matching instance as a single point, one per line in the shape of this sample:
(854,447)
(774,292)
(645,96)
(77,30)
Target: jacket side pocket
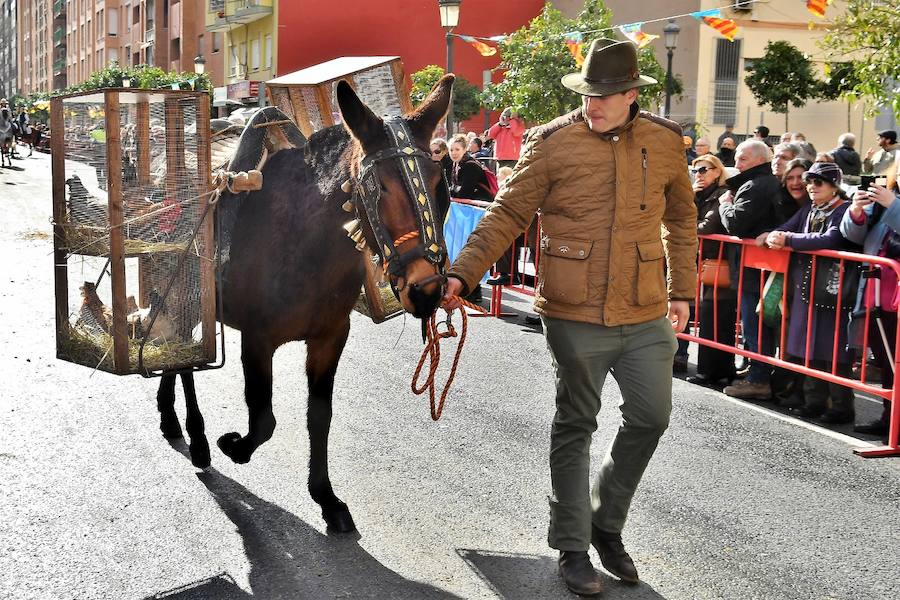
(564,269)
(651,283)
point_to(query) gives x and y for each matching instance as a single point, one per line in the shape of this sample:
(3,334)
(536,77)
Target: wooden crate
(307,96)
(133,238)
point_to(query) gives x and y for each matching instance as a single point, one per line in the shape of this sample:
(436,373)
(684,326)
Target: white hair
(755,148)
(847,139)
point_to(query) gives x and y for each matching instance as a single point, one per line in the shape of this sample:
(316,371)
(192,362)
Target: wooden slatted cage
(134,248)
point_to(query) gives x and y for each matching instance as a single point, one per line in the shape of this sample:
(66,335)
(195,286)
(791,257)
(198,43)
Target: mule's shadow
(290,559)
(531,577)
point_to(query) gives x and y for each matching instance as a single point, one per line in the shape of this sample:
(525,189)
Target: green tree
(536,57)
(141,76)
(466,97)
(782,77)
(868,31)
(840,81)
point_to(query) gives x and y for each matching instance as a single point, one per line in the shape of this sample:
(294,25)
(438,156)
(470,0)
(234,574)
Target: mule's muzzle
(425,295)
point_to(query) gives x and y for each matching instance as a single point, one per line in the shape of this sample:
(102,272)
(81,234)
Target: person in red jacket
(507,134)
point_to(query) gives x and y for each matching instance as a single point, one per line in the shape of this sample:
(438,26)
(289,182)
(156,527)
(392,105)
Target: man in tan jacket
(612,186)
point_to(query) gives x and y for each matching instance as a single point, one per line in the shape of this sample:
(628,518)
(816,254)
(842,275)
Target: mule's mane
(326,149)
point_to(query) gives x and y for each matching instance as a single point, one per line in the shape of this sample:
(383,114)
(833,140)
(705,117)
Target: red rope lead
(433,351)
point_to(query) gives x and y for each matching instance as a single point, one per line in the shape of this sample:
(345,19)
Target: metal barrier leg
(496,304)
(892,448)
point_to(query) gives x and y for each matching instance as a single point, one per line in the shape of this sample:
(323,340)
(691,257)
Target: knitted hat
(829,172)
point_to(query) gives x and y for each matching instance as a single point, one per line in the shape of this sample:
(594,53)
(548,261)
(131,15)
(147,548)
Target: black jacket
(726,156)
(785,206)
(755,192)
(848,160)
(469,180)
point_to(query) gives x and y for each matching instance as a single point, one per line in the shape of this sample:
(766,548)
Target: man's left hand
(679,313)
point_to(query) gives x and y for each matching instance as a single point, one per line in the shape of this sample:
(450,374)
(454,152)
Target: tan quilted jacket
(612,207)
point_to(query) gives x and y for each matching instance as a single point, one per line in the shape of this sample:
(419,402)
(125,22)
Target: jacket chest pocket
(650,284)
(564,269)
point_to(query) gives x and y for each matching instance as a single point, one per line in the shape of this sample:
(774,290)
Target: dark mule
(294,274)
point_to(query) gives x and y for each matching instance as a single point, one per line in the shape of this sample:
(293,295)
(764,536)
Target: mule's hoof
(170,428)
(199,454)
(234,447)
(339,520)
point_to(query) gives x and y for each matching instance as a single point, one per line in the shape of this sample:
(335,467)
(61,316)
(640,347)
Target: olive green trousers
(640,359)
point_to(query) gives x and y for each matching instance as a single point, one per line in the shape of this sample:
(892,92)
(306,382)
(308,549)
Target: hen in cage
(94,316)
(84,209)
(153,322)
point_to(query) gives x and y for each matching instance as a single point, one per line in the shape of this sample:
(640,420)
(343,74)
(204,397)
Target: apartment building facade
(9,67)
(249,29)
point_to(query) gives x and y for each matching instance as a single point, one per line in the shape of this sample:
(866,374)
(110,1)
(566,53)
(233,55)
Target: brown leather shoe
(613,555)
(578,574)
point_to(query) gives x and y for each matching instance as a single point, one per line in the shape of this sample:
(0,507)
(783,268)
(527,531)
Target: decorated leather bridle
(409,160)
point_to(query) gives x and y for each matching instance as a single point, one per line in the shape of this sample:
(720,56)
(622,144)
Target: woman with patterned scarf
(816,226)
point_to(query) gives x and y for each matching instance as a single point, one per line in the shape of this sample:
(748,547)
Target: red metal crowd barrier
(777,261)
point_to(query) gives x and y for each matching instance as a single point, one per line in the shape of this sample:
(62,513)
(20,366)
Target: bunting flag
(483,49)
(574,43)
(726,27)
(817,7)
(633,32)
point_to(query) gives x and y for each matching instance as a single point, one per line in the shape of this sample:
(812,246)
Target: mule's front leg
(257,360)
(165,403)
(322,357)
(193,422)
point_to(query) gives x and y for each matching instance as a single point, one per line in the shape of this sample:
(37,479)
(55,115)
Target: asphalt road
(739,501)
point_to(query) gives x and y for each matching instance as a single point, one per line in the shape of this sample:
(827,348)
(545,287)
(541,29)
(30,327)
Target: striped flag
(574,43)
(817,7)
(633,32)
(483,49)
(726,27)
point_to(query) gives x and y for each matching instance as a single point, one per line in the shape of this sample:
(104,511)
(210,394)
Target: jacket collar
(633,113)
(740,179)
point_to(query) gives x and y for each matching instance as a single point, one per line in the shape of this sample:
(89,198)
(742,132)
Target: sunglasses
(436,151)
(815,182)
(701,170)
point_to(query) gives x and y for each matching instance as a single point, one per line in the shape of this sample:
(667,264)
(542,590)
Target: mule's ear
(432,110)
(358,118)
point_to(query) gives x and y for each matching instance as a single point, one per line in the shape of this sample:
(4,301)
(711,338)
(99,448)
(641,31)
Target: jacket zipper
(644,178)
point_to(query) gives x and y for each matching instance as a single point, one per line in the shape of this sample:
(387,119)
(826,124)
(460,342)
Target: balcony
(224,15)
(59,8)
(59,66)
(59,37)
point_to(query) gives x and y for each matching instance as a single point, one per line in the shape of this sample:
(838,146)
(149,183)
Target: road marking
(841,437)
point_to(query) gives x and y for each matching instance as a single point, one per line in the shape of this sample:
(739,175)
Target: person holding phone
(873,220)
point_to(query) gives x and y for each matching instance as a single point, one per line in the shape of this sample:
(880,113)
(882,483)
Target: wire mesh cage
(133,230)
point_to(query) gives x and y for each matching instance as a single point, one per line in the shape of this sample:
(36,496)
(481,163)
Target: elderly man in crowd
(880,161)
(748,210)
(701,146)
(846,157)
(782,154)
(726,152)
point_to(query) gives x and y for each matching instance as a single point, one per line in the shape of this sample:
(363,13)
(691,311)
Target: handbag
(714,272)
(825,287)
(770,304)
(888,290)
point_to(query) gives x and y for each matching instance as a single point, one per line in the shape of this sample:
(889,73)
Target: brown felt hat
(610,67)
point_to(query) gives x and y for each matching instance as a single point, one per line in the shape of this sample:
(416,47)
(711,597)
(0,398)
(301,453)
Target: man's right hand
(870,153)
(451,294)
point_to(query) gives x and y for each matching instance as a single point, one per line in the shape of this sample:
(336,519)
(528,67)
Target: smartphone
(865,181)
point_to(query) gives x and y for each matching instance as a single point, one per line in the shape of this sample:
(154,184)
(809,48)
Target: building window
(254,54)
(113,16)
(725,82)
(136,15)
(234,61)
(242,56)
(125,15)
(175,50)
(216,42)
(269,52)
(113,54)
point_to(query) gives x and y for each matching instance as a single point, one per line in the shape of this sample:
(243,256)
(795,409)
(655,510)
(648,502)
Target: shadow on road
(533,577)
(290,559)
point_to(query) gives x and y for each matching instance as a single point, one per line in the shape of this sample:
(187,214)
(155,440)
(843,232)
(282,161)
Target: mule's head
(401,197)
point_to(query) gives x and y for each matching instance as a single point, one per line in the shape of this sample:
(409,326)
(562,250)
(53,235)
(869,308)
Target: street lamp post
(449,10)
(199,65)
(670,36)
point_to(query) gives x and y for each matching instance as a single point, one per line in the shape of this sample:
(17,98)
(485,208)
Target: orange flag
(726,27)
(817,7)
(574,43)
(483,49)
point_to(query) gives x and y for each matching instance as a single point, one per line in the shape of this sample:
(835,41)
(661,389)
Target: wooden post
(323,95)
(143,175)
(60,262)
(301,116)
(406,106)
(116,236)
(206,235)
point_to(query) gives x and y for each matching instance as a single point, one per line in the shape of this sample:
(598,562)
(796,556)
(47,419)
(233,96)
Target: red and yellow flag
(483,49)
(574,45)
(726,27)
(817,7)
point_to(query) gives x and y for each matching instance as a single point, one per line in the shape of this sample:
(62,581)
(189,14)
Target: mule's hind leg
(257,359)
(322,356)
(165,403)
(193,422)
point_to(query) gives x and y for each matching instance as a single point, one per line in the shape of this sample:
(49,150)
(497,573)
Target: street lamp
(670,37)
(126,81)
(199,65)
(449,20)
